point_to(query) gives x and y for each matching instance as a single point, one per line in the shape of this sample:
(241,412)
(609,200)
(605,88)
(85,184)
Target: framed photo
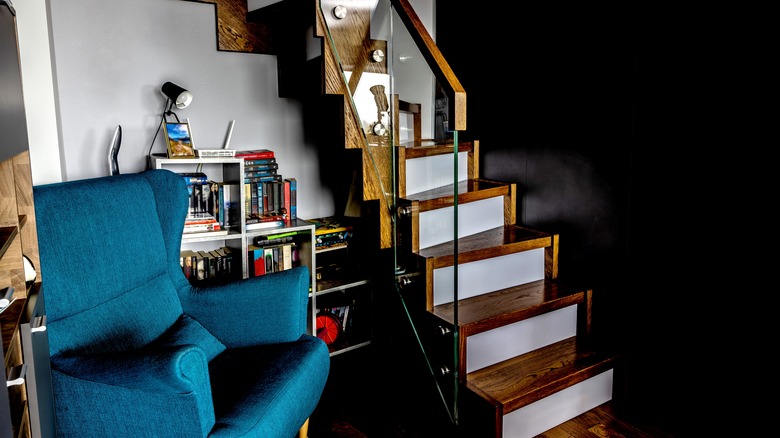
(179,139)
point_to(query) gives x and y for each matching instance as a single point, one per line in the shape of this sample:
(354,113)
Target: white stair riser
(438,226)
(428,173)
(483,276)
(502,343)
(557,408)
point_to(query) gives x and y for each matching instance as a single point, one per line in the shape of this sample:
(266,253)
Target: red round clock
(328,327)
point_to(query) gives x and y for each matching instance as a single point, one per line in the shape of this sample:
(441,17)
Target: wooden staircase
(523,361)
(524,364)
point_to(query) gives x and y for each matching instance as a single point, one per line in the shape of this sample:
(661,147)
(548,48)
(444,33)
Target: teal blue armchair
(136,351)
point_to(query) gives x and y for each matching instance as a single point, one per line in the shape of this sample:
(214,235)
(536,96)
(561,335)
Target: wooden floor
(362,399)
(599,422)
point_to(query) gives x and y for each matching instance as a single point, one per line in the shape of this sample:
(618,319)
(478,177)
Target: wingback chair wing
(136,351)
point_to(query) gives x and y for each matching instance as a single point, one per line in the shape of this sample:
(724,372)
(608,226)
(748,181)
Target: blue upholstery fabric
(136,350)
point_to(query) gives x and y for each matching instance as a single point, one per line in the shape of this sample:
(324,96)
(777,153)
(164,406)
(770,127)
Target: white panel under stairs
(437,226)
(483,276)
(502,343)
(428,173)
(557,408)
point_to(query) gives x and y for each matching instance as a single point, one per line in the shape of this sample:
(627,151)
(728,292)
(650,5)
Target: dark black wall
(574,108)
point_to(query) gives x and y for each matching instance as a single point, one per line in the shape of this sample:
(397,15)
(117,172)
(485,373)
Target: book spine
(268,178)
(194,177)
(260,174)
(294,198)
(263,225)
(247,199)
(253,195)
(265,197)
(259,192)
(268,255)
(287,256)
(255,155)
(278,201)
(248,168)
(259,162)
(287,198)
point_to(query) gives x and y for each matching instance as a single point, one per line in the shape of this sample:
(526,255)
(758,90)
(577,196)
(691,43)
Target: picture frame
(178,137)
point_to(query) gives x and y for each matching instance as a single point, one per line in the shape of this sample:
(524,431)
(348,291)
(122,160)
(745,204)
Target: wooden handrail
(436,62)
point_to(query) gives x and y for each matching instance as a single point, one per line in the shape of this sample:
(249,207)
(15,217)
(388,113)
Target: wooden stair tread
(506,306)
(495,242)
(522,380)
(468,191)
(429,148)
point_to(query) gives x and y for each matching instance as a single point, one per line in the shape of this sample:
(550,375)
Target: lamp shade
(178,95)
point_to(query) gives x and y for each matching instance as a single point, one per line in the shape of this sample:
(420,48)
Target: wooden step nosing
(427,151)
(497,321)
(463,198)
(573,375)
(569,380)
(491,252)
(536,293)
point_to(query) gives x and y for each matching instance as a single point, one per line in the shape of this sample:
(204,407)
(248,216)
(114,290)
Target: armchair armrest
(259,310)
(142,391)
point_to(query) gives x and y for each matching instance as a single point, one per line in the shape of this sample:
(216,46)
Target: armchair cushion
(150,392)
(187,331)
(255,311)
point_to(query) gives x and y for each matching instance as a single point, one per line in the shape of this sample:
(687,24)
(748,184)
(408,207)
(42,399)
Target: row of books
(269,204)
(263,260)
(269,199)
(213,206)
(208,265)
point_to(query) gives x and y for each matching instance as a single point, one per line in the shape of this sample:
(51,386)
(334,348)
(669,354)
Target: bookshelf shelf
(344,279)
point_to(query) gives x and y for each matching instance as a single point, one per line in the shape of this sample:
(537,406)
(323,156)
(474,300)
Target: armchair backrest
(109,246)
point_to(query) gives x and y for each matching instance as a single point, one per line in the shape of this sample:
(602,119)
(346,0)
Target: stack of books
(203,223)
(204,208)
(269,199)
(330,233)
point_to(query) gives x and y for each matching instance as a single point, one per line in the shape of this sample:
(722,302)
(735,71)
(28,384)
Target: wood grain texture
(551,258)
(9,214)
(487,244)
(468,191)
(234,33)
(605,421)
(522,380)
(506,306)
(26,208)
(436,62)
(510,202)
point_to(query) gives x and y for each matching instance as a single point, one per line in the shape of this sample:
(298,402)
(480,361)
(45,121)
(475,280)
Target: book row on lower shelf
(262,260)
(213,265)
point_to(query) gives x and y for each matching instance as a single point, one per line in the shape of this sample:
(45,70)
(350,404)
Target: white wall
(38,88)
(90,65)
(110,58)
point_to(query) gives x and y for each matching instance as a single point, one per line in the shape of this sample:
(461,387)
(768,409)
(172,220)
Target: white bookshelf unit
(231,171)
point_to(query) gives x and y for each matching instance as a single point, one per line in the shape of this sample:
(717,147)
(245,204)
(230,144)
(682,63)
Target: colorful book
(248,162)
(194,177)
(254,154)
(260,167)
(292,212)
(287,197)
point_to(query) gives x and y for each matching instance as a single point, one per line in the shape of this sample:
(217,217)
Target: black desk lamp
(175,95)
